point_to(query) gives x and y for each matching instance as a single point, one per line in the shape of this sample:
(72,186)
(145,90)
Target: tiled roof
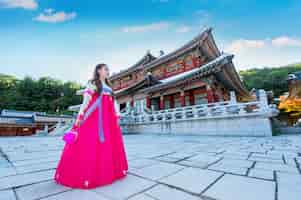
(148,57)
(184,75)
(192,43)
(157,61)
(148,80)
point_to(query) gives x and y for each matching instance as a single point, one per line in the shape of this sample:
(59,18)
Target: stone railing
(224,109)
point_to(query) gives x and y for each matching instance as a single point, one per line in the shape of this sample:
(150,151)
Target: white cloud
(286,41)
(241,45)
(183,29)
(25,4)
(146,28)
(50,16)
(262,52)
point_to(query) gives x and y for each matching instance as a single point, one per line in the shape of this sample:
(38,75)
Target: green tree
(269,78)
(45,94)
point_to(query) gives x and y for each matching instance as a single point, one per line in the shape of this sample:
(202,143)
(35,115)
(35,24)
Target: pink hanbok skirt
(91,162)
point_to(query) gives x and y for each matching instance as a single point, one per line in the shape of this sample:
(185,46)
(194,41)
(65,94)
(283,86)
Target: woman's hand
(77,122)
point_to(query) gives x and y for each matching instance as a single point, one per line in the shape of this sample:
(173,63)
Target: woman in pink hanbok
(98,156)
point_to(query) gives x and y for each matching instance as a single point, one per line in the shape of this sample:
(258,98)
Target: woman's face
(104,72)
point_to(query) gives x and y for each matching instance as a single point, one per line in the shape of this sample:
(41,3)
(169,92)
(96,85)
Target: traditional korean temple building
(195,73)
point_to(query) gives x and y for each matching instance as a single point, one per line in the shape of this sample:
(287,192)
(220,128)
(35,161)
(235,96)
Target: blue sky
(65,39)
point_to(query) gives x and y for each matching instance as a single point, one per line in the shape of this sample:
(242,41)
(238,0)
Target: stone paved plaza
(163,167)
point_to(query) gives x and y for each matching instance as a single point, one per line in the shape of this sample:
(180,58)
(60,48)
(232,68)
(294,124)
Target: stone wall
(255,125)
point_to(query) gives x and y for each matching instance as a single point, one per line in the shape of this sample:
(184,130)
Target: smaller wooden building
(17,125)
(21,123)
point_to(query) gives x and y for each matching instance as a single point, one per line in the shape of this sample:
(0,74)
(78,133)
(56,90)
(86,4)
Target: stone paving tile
(7,171)
(36,161)
(266,159)
(229,169)
(15,156)
(278,159)
(124,188)
(289,186)
(277,167)
(7,195)
(168,159)
(39,190)
(267,156)
(198,164)
(256,150)
(5,164)
(36,167)
(236,163)
(291,162)
(162,192)
(158,171)
(215,150)
(233,166)
(299,160)
(24,179)
(203,157)
(76,195)
(235,156)
(182,155)
(235,152)
(192,179)
(142,162)
(231,187)
(260,173)
(141,197)
(290,154)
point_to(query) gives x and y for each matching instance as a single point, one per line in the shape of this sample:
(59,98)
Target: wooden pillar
(182,98)
(172,101)
(216,97)
(191,97)
(148,102)
(210,96)
(132,103)
(161,102)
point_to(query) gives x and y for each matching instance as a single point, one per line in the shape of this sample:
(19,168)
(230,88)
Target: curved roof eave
(133,67)
(202,68)
(165,58)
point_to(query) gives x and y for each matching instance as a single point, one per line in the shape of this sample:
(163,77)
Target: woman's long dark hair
(96,81)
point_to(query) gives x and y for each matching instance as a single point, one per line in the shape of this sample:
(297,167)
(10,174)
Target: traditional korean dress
(98,155)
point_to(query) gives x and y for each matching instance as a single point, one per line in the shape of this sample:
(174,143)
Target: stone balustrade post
(263,101)
(233,97)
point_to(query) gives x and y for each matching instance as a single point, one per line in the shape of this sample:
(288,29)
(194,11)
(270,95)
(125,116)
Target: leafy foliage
(269,78)
(44,95)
